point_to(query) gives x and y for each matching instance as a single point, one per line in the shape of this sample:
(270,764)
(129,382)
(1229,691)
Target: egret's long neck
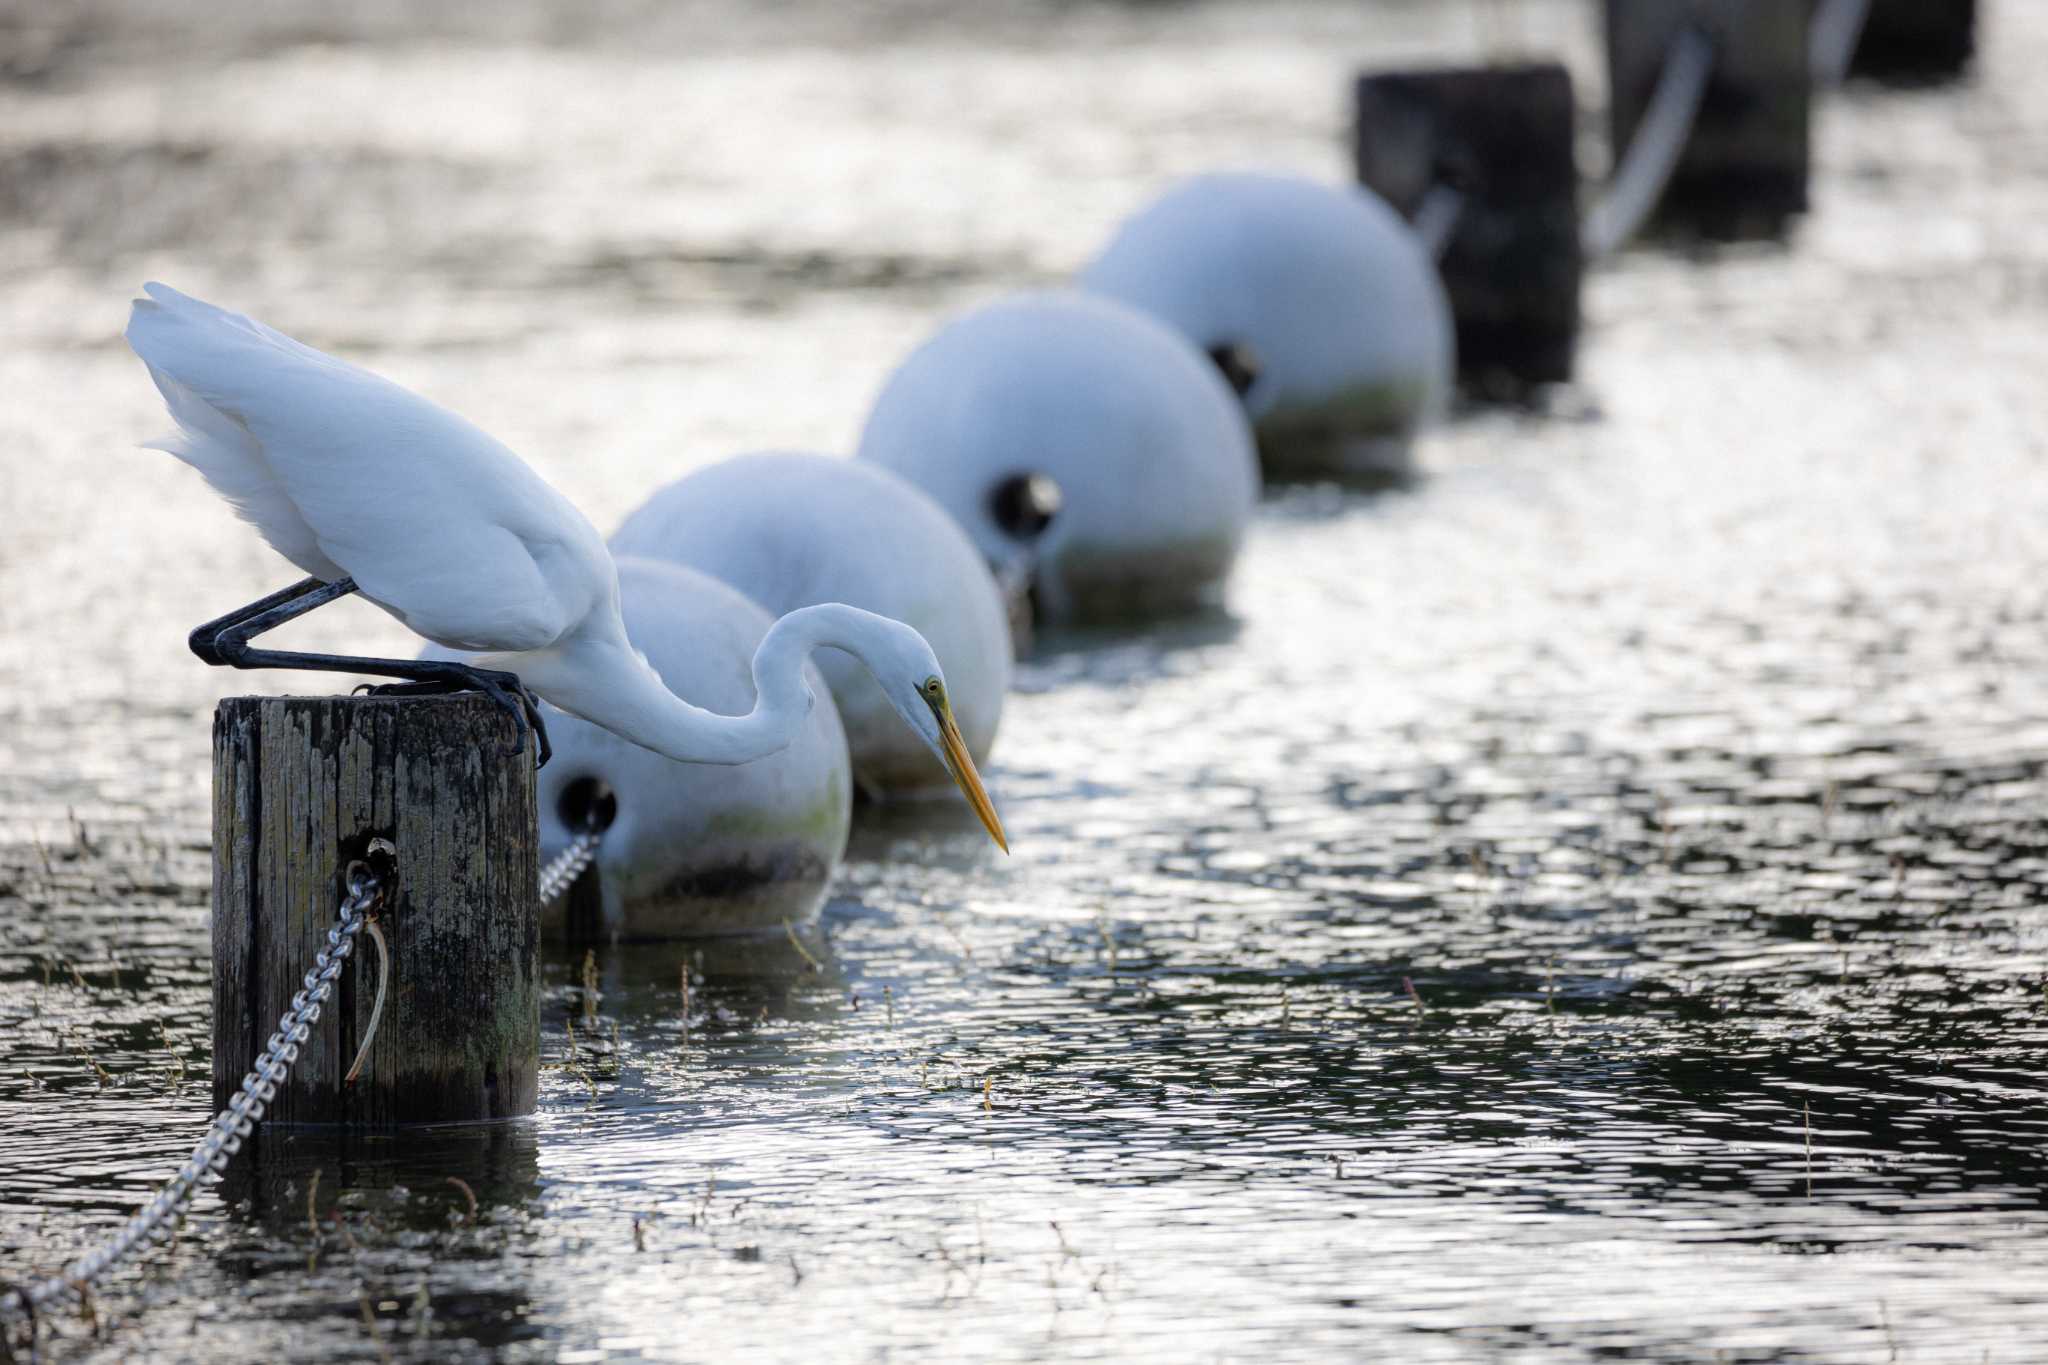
(606,683)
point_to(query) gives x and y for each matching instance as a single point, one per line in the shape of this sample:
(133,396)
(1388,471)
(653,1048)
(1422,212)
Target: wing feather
(343,471)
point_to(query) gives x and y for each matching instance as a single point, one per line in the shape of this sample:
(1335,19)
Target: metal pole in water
(302,786)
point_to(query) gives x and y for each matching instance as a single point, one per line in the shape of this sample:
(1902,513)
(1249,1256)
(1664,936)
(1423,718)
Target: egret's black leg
(225,642)
(219,640)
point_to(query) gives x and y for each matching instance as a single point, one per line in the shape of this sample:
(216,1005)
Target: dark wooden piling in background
(1502,138)
(300,786)
(1916,41)
(582,917)
(1743,174)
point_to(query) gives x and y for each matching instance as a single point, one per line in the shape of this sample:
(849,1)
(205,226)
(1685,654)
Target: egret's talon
(540,728)
(504,690)
(508,694)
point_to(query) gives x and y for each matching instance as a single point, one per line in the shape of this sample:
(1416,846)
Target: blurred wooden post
(1743,174)
(1914,41)
(1501,139)
(300,786)
(582,915)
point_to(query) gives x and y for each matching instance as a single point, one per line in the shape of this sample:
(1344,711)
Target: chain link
(568,865)
(233,1125)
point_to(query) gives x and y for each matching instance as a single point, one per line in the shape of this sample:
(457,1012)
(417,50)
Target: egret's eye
(933,688)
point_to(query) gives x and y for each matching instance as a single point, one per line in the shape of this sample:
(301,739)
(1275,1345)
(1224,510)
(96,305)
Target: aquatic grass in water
(1686,751)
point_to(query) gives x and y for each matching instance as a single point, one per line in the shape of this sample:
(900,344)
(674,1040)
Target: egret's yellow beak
(961,764)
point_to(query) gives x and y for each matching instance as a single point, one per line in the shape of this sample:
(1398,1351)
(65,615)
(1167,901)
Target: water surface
(1587,905)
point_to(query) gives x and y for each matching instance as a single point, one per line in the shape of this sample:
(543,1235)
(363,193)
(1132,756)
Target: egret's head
(915,685)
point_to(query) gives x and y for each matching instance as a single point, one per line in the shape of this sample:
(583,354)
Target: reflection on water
(1585,904)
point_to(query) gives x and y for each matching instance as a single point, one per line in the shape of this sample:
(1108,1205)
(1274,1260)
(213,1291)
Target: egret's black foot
(531,705)
(504,689)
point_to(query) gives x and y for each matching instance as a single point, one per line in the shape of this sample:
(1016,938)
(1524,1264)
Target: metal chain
(568,865)
(234,1123)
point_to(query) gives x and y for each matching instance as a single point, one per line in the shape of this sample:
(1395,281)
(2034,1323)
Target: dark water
(1682,745)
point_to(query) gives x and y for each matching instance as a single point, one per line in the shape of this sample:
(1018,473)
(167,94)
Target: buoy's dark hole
(1024,505)
(1239,364)
(588,803)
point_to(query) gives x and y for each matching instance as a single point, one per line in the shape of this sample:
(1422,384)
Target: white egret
(1318,302)
(790,529)
(372,489)
(1146,444)
(694,848)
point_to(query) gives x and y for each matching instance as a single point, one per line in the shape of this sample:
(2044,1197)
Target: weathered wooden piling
(426,1181)
(1743,172)
(1500,139)
(1916,41)
(301,785)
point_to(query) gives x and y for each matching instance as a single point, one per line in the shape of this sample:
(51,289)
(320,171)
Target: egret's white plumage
(1338,301)
(1149,447)
(345,473)
(696,848)
(790,529)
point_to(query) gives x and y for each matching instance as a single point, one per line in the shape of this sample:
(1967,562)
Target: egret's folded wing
(338,467)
